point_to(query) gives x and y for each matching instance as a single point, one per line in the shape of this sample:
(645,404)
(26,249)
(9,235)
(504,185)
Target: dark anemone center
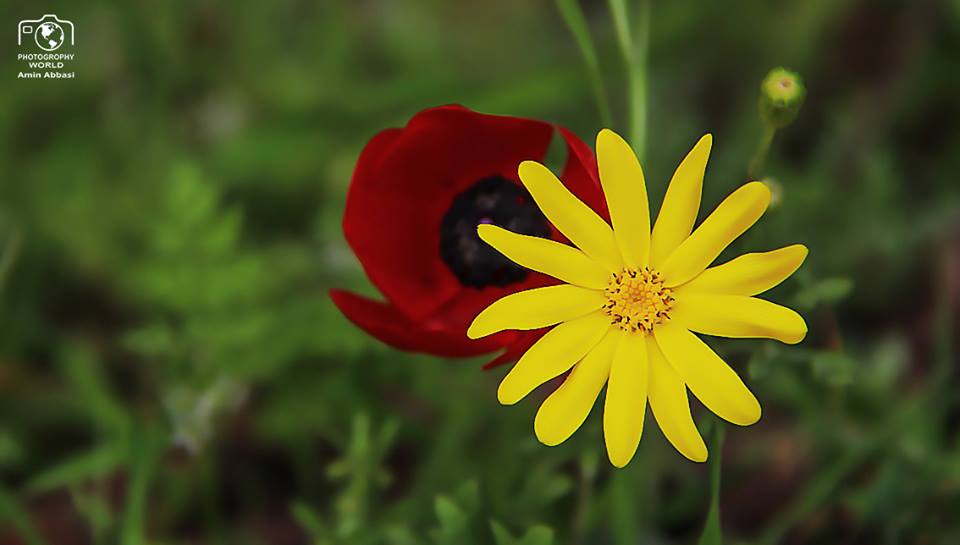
(493,200)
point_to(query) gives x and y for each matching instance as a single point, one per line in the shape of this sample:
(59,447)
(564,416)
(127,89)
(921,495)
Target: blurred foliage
(171,370)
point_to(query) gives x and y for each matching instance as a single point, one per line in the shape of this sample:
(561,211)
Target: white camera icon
(48,32)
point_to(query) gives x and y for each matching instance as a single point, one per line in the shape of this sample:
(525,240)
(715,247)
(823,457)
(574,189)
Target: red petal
(524,341)
(403,184)
(460,312)
(580,173)
(384,322)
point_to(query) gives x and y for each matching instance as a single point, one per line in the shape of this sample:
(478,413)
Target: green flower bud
(781,95)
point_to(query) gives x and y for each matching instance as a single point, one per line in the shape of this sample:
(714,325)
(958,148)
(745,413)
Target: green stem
(625,508)
(588,473)
(760,156)
(638,79)
(712,531)
(144,453)
(577,23)
(634,50)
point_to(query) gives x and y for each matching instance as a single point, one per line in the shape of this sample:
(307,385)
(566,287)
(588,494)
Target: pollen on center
(637,300)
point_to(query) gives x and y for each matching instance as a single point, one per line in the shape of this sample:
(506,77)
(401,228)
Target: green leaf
(86,377)
(152,340)
(309,520)
(538,535)
(400,535)
(79,468)
(500,534)
(452,519)
(555,487)
(828,290)
(468,495)
(833,368)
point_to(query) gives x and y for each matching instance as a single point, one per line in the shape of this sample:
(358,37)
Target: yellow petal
(547,256)
(737,316)
(680,204)
(714,383)
(626,194)
(577,221)
(552,355)
(731,218)
(565,410)
(671,408)
(536,308)
(626,401)
(750,274)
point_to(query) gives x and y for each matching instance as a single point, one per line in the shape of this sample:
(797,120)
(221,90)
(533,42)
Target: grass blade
(573,16)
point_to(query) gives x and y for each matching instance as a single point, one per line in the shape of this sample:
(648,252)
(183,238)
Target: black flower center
(493,200)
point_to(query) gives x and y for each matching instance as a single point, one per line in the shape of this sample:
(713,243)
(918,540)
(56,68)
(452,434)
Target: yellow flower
(634,298)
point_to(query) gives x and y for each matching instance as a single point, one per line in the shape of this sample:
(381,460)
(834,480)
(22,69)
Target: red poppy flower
(415,200)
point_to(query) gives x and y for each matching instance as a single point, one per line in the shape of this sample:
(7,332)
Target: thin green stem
(638,96)
(144,452)
(634,50)
(621,23)
(577,23)
(760,156)
(587,475)
(625,508)
(712,531)
(93,506)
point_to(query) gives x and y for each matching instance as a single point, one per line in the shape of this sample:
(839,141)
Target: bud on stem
(781,95)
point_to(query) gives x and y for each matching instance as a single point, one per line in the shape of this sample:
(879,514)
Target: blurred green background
(172,371)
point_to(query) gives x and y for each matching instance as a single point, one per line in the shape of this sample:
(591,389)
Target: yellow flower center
(637,300)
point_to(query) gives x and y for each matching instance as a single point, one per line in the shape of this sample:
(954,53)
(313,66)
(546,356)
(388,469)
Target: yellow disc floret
(637,300)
